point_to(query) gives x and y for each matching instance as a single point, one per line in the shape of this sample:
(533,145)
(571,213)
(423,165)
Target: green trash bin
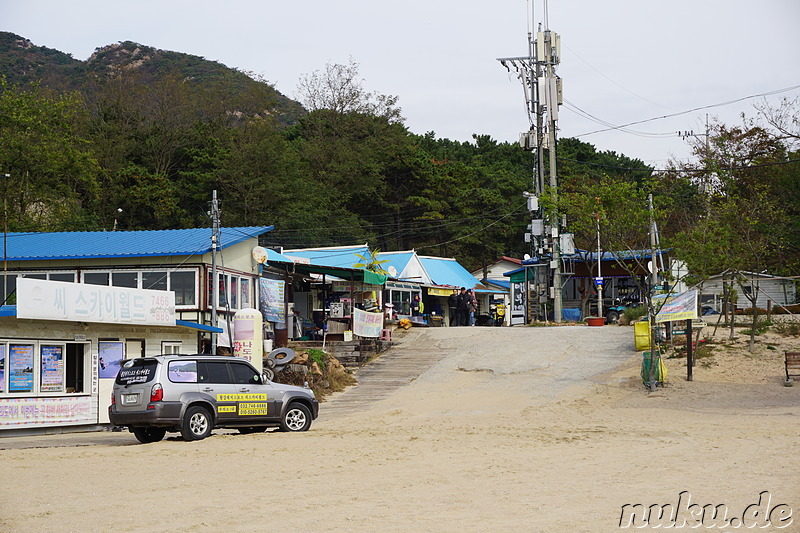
(661,370)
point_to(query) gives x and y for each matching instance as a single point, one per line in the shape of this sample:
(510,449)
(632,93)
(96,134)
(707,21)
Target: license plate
(130,399)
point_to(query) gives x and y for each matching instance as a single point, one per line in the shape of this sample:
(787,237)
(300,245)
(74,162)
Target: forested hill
(22,62)
(152,133)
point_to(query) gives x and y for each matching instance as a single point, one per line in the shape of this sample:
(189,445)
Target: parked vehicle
(193,394)
(617,307)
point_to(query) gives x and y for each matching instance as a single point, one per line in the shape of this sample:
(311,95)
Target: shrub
(632,313)
(787,329)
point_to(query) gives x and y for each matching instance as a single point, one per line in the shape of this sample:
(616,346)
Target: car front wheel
(197,423)
(296,418)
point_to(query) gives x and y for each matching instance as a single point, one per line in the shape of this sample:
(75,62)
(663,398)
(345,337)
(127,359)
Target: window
(169,348)
(9,289)
(125,279)
(234,291)
(183,285)
(52,376)
(20,368)
(243,374)
(213,372)
(244,286)
(62,276)
(95,278)
(156,281)
(182,371)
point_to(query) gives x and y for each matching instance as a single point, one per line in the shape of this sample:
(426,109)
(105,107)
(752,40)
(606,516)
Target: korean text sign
(78,302)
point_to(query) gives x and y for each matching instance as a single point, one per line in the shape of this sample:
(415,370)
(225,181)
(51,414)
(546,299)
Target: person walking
(452,306)
(462,311)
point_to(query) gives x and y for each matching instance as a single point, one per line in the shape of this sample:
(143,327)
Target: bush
(787,329)
(761,327)
(633,313)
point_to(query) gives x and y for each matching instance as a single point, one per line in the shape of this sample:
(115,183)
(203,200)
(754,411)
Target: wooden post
(689,354)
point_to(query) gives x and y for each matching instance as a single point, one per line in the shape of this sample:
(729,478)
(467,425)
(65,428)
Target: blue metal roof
(108,244)
(499,282)
(443,271)
(398,260)
(340,256)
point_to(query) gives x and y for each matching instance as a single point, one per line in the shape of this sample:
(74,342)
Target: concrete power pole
(543,96)
(214,282)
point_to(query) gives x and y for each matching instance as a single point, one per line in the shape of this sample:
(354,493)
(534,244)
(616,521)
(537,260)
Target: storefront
(62,346)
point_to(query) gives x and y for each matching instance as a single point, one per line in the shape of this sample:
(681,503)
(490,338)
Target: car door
(214,380)
(254,397)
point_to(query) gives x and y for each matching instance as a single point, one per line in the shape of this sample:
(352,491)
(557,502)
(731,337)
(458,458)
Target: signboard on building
(79,302)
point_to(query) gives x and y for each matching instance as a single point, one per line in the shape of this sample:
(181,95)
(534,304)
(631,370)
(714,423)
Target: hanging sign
(273,306)
(367,324)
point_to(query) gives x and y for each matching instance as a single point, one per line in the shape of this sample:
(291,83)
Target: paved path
(399,366)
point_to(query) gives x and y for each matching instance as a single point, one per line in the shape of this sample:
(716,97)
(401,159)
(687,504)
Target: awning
(195,325)
(355,274)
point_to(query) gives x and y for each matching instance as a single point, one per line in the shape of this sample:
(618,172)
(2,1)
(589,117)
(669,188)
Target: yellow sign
(242,397)
(226,408)
(439,292)
(253,409)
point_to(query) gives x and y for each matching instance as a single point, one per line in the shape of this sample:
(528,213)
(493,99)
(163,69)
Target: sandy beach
(517,429)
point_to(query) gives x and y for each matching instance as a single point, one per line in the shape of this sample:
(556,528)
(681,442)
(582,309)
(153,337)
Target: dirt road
(511,429)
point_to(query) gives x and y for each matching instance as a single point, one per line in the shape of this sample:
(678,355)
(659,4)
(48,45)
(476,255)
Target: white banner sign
(367,324)
(78,302)
(19,412)
(681,306)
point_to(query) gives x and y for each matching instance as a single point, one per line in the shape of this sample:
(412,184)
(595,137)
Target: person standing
(462,312)
(415,306)
(452,306)
(472,306)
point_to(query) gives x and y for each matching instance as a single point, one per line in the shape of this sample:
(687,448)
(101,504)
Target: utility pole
(214,282)
(5,238)
(542,90)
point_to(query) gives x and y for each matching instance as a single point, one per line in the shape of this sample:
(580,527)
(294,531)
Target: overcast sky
(622,61)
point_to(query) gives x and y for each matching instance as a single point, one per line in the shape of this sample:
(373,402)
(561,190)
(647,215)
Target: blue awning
(195,325)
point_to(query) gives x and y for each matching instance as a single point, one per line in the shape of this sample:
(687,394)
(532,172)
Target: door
(256,404)
(214,381)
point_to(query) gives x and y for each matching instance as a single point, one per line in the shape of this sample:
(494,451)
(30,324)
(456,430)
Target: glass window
(182,284)
(9,295)
(243,374)
(244,286)
(137,371)
(213,372)
(169,348)
(182,371)
(223,291)
(36,276)
(95,278)
(125,279)
(62,276)
(156,281)
(234,291)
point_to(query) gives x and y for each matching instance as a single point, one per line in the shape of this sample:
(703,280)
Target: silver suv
(194,394)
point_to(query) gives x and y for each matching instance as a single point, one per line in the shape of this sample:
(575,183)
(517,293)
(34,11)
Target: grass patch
(787,329)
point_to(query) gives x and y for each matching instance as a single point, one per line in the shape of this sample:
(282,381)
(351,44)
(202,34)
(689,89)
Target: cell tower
(543,96)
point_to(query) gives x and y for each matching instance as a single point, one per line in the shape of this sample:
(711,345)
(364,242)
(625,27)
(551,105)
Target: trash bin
(641,335)
(661,371)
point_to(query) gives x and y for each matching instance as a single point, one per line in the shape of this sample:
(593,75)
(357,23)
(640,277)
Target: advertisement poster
(111,356)
(367,324)
(273,305)
(2,367)
(52,368)
(20,368)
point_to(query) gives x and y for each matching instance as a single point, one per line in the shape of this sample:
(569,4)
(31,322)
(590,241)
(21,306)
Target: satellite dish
(650,266)
(392,271)
(260,255)
(526,257)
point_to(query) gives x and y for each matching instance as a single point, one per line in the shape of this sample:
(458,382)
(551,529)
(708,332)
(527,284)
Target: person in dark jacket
(462,312)
(452,305)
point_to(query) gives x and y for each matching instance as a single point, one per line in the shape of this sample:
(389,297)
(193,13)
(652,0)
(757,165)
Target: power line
(710,106)
(700,170)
